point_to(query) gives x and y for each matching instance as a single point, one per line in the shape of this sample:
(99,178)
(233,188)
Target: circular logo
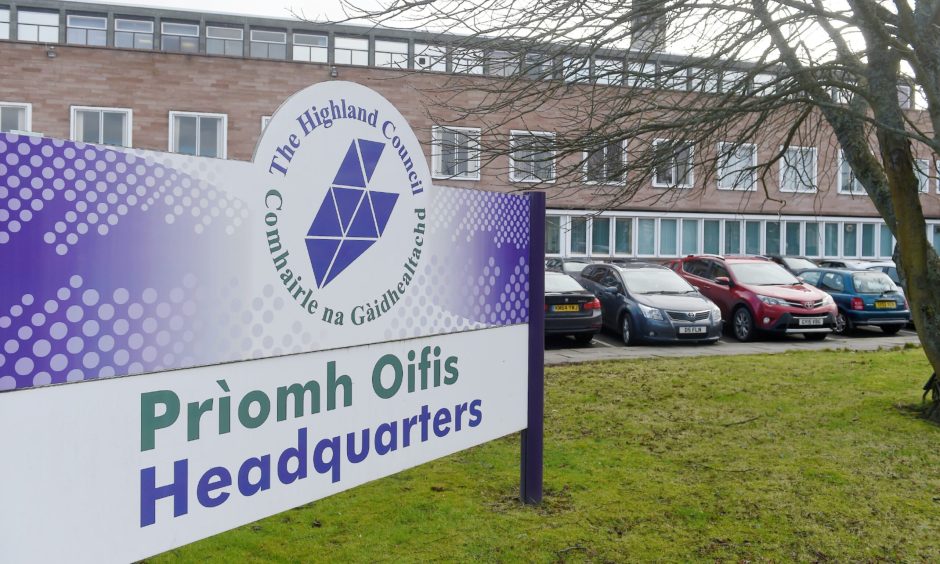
(345,215)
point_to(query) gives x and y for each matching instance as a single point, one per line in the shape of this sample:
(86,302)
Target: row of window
(181,36)
(663,236)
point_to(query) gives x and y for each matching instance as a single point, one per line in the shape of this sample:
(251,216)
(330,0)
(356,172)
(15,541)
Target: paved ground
(608,346)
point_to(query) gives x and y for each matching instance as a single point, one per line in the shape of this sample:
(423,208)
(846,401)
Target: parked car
(889,268)
(864,297)
(570,309)
(649,302)
(758,295)
(845,263)
(793,264)
(567,265)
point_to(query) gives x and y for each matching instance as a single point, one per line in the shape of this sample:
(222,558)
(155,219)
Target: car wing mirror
(723,281)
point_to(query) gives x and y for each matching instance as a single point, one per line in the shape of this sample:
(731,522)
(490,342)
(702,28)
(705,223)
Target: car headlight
(771,301)
(828,301)
(650,312)
(716,314)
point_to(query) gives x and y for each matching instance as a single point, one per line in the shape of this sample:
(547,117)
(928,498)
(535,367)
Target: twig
(732,424)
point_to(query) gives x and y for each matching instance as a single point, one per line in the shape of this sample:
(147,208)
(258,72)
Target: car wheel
(890,329)
(843,324)
(743,323)
(584,339)
(626,330)
(816,336)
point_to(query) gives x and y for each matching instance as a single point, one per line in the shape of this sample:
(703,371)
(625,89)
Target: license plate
(692,330)
(885,304)
(568,307)
(812,321)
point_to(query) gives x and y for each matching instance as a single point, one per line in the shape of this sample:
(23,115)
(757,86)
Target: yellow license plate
(885,304)
(569,307)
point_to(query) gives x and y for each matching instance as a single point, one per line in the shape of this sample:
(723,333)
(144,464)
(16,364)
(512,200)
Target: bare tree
(836,74)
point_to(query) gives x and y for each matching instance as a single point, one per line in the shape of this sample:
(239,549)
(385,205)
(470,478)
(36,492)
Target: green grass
(798,456)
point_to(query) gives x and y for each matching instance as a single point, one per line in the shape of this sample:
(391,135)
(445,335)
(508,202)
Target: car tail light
(858,303)
(546,307)
(593,304)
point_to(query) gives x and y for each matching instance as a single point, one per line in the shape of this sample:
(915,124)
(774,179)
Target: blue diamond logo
(352,217)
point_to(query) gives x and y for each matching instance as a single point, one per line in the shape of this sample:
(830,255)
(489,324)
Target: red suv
(757,295)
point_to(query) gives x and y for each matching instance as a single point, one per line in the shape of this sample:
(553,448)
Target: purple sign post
(531,474)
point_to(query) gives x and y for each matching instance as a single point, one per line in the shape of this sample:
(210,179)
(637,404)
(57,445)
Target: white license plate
(812,321)
(693,330)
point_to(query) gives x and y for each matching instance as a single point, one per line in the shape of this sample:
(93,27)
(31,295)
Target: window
(848,183)
(600,236)
(42,27)
(763,84)
(646,236)
(608,71)
(503,63)
(576,69)
(689,236)
(268,44)
(673,77)
(604,165)
(456,153)
(552,235)
(704,80)
(752,237)
(812,239)
(391,54)
(905,96)
(811,277)
(885,242)
(868,240)
(641,75)
(351,51)
(202,135)
(623,236)
(849,240)
(538,66)
(832,282)
(225,41)
(792,239)
(467,61)
(578,235)
(936,237)
(4,23)
(15,117)
(104,126)
(712,237)
(732,237)
(133,34)
(673,164)
(734,81)
(180,37)
(772,237)
(430,57)
(736,167)
(86,30)
(532,158)
(798,170)
(667,237)
(922,171)
(311,48)
(832,240)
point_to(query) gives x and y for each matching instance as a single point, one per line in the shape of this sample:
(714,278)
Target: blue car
(649,302)
(864,297)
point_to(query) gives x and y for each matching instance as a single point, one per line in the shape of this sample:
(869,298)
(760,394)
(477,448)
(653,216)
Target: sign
(294,326)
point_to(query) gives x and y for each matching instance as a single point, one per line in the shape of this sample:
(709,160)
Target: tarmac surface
(608,346)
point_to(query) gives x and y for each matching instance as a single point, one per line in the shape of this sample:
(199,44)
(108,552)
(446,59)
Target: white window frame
(128,122)
(164,34)
(922,172)
(851,191)
(69,26)
(513,135)
(640,75)
(473,161)
(690,177)
(608,71)
(613,236)
(587,234)
(210,29)
(396,59)
(467,61)
(266,42)
(607,181)
(435,57)
(224,141)
(309,48)
(5,22)
(134,34)
(29,112)
(783,166)
(336,49)
(20,23)
(753,172)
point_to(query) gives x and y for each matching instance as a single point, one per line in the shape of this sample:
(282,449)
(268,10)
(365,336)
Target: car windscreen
(873,283)
(655,281)
(561,283)
(795,263)
(575,267)
(762,274)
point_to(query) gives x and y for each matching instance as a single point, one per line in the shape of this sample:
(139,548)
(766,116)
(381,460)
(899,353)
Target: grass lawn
(798,456)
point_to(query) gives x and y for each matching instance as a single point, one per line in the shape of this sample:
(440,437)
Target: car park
(889,268)
(567,265)
(650,303)
(845,263)
(793,264)
(570,309)
(757,295)
(864,297)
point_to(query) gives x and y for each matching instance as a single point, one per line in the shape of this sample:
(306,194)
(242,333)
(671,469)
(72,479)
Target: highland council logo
(345,218)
